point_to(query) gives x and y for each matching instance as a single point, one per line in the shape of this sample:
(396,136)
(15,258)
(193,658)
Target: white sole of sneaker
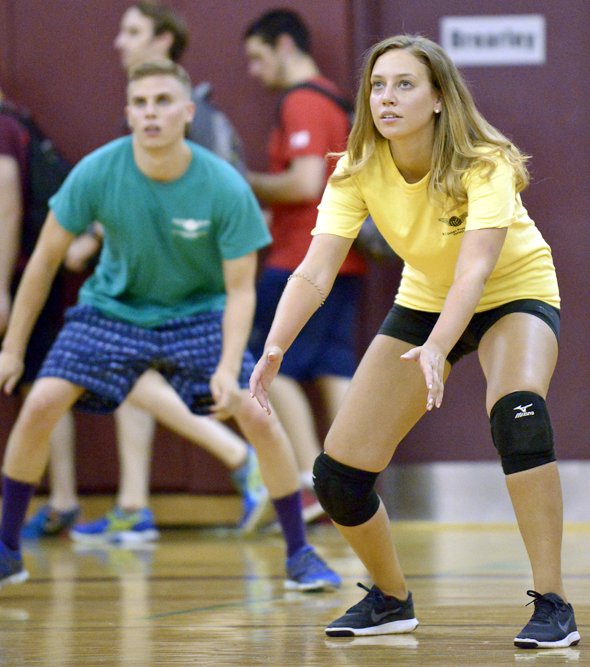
(393,628)
(17,578)
(571,640)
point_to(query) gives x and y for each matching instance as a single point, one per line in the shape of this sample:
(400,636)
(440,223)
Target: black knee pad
(347,494)
(521,430)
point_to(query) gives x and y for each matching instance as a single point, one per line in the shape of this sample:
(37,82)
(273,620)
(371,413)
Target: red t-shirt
(310,123)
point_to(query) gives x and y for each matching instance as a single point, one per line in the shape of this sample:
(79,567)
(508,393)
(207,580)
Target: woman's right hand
(263,374)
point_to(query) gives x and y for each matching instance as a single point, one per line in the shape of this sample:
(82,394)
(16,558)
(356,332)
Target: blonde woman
(443,187)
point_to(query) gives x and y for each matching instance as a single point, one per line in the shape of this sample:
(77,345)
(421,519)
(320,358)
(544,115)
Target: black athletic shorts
(414,326)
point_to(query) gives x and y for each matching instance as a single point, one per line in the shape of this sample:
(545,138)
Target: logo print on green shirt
(191,229)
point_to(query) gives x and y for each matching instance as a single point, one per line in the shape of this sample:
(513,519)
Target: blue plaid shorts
(107,356)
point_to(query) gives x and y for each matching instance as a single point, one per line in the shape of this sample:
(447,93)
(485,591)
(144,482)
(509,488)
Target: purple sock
(15,502)
(289,511)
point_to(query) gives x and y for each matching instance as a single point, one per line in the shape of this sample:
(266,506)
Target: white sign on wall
(517,39)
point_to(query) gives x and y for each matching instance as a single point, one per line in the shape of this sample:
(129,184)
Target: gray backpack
(212,129)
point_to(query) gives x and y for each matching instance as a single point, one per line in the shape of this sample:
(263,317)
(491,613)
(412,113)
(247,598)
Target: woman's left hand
(432,363)
(263,374)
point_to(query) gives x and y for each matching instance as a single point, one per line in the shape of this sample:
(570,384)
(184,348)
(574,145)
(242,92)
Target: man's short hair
(160,68)
(270,26)
(166,20)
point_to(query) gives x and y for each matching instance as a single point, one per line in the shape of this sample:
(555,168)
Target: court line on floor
(241,603)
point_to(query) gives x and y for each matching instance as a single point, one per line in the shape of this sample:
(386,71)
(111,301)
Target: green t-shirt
(164,241)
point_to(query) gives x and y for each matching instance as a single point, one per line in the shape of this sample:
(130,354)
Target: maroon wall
(56,57)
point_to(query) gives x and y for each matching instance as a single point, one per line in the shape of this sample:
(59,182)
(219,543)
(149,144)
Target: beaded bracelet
(311,282)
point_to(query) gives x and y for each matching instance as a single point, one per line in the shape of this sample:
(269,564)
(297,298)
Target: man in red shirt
(311,122)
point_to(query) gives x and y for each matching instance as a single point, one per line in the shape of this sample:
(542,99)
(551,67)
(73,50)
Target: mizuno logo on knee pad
(523,411)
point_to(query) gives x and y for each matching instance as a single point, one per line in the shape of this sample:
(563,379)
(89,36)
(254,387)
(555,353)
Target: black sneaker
(375,614)
(551,626)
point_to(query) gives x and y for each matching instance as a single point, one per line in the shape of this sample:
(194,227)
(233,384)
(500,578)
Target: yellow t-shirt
(427,235)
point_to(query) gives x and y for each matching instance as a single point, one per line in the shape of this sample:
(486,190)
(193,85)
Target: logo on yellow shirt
(456,222)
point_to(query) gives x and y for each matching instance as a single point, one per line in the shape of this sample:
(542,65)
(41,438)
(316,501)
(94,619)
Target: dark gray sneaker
(375,614)
(552,624)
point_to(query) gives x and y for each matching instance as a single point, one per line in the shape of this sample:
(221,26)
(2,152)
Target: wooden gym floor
(210,597)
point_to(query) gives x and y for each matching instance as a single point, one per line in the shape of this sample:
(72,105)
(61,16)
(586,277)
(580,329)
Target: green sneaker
(118,527)
(248,482)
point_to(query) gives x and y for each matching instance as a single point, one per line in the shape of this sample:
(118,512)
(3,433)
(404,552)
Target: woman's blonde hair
(462,136)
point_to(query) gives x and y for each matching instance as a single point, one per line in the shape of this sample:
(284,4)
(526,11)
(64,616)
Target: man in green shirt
(173,290)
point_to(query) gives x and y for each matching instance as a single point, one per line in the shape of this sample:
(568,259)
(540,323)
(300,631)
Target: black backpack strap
(9,109)
(23,117)
(342,102)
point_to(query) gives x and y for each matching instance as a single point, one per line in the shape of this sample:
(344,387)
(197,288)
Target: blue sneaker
(11,566)
(552,624)
(48,522)
(118,527)
(308,572)
(255,500)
